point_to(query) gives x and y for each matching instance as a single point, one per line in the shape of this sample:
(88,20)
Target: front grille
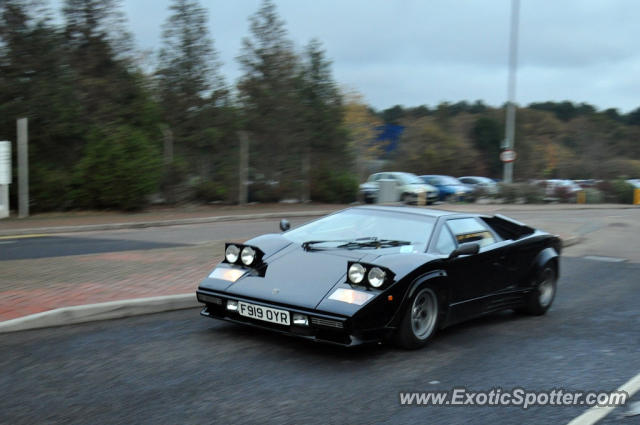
(209,299)
(327,323)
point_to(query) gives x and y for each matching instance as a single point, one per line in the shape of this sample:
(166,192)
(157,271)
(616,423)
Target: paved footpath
(33,286)
(37,285)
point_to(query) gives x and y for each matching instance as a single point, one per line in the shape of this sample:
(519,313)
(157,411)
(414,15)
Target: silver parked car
(409,187)
(489,186)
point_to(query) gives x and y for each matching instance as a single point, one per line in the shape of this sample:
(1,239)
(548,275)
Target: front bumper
(429,197)
(322,327)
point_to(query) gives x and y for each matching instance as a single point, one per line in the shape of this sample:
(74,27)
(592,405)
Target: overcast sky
(414,52)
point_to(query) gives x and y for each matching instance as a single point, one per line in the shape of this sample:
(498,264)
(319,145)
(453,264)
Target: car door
(474,278)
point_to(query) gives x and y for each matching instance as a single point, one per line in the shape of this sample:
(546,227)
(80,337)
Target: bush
(119,170)
(334,187)
(49,188)
(616,191)
(508,192)
(532,194)
(520,192)
(593,196)
(209,191)
(263,191)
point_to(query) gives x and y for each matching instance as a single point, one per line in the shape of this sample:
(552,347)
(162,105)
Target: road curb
(570,241)
(160,223)
(102,311)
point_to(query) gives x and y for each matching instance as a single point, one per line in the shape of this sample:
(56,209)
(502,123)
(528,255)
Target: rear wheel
(541,298)
(420,320)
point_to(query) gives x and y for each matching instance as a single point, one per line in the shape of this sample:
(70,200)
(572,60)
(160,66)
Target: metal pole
(244,168)
(23,169)
(511,89)
(5,177)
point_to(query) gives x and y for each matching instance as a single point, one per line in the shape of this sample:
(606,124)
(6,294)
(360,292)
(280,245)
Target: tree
(120,169)
(425,148)
(193,95)
(189,70)
(37,83)
(325,138)
(487,137)
(361,125)
(270,97)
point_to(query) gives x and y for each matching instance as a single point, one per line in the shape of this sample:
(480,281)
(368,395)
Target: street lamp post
(510,126)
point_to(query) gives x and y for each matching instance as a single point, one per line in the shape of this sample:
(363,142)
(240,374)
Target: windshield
(449,180)
(360,223)
(408,178)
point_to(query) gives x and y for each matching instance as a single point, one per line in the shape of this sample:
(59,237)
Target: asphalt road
(182,368)
(58,246)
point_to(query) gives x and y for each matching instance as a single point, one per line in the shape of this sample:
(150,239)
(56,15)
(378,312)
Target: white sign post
(5,177)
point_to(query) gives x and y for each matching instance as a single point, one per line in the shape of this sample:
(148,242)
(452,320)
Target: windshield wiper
(382,243)
(308,244)
(369,242)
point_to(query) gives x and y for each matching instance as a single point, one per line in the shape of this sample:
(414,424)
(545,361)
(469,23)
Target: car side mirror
(469,248)
(285,225)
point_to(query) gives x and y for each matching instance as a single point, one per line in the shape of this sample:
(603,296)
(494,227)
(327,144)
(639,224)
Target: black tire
(404,198)
(540,299)
(410,334)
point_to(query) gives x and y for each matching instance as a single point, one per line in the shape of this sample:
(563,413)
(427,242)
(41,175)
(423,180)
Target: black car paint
(496,278)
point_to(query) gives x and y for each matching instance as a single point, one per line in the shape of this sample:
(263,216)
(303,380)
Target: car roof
(408,210)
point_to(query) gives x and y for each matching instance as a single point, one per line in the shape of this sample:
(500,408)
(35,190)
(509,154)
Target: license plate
(281,317)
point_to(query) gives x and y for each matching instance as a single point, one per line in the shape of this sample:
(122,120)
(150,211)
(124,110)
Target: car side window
(445,243)
(471,230)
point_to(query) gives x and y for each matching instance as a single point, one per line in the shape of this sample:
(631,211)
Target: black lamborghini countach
(369,274)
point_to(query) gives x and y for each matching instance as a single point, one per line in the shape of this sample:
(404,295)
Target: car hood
(296,277)
(292,275)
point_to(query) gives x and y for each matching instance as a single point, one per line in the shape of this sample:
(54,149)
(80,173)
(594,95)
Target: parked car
(553,187)
(489,186)
(374,273)
(634,182)
(409,187)
(450,189)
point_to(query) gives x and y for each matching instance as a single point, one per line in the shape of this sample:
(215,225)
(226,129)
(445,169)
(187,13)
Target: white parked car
(552,185)
(409,187)
(634,182)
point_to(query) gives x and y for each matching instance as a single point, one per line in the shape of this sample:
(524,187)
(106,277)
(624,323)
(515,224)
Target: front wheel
(542,296)
(420,320)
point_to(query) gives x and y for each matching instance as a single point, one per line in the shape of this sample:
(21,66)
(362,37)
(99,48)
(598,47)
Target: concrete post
(23,168)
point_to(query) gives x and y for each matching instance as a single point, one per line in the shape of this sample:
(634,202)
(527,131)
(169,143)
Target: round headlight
(376,277)
(232,253)
(248,255)
(356,273)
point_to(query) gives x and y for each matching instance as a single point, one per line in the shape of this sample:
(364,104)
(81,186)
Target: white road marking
(6,242)
(595,414)
(606,259)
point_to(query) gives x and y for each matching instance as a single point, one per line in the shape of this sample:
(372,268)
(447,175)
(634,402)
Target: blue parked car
(451,189)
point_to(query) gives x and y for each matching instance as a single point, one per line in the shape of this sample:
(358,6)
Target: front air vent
(327,323)
(208,299)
